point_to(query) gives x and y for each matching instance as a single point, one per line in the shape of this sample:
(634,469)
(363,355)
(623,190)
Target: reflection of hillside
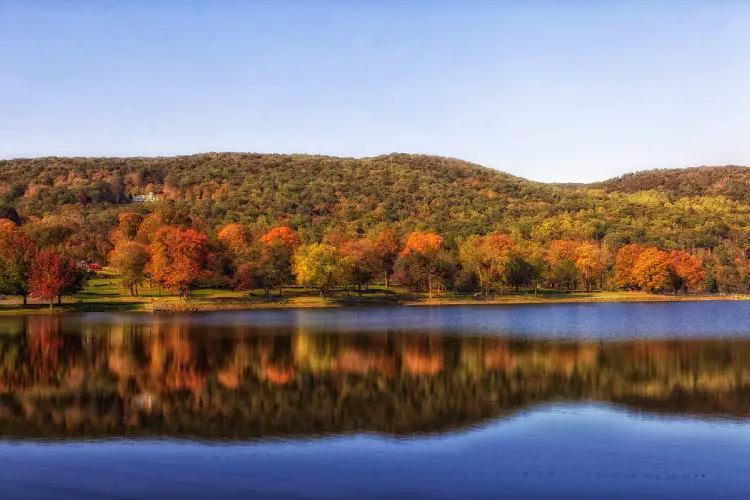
(180,380)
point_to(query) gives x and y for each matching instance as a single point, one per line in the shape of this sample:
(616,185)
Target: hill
(690,208)
(730,181)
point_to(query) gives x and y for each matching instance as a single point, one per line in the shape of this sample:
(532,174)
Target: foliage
(433,223)
(179,259)
(17,253)
(320,266)
(130,258)
(51,275)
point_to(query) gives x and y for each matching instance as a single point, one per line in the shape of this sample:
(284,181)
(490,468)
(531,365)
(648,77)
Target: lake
(644,400)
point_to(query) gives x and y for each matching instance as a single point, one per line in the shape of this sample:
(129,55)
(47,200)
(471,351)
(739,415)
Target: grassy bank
(104,293)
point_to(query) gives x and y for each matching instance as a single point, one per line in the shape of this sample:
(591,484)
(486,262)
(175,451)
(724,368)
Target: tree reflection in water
(196,381)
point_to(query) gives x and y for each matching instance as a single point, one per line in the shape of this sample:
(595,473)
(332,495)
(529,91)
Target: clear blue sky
(554,91)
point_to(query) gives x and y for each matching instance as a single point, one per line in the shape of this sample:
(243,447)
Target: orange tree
(179,259)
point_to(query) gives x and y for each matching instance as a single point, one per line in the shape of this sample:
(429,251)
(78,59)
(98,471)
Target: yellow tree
(499,249)
(589,262)
(473,257)
(320,266)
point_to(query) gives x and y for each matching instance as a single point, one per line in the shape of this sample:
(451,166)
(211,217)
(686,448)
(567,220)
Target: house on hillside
(141,198)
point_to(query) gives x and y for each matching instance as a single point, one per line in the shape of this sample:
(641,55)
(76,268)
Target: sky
(566,91)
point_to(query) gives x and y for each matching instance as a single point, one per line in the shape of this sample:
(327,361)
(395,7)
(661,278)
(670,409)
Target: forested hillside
(672,208)
(730,181)
(472,227)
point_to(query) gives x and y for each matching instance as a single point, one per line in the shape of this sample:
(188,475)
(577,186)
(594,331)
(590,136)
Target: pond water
(565,400)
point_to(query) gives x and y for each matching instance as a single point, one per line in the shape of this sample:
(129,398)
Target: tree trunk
(51,302)
(280,291)
(386,278)
(429,286)
(25,300)
(59,300)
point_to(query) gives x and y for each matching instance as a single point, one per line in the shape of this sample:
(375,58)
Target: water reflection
(60,378)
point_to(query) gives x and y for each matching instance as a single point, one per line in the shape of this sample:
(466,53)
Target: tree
(625,262)
(687,270)
(130,223)
(320,266)
(179,259)
(562,257)
(244,278)
(51,274)
(473,256)
(283,235)
(652,270)
(420,256)
(130,258)
(272,265)
(235,238)
(519,272)
(499,250)
(589,262)
(386,247)
(360,254)
(17,253)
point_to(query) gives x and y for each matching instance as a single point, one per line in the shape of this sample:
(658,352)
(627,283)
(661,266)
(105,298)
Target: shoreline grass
(104,294)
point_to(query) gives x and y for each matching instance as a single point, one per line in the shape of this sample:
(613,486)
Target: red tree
(51,274)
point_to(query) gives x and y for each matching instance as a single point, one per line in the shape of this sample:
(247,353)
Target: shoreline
(219,302)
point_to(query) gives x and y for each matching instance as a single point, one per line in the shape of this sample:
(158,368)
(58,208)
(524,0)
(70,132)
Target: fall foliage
(51,274)
(179,259)
(320,266)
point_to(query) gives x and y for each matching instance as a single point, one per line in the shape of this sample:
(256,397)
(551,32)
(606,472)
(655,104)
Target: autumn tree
(148,228)
(652,270)
(473,257)
(271,263)
(283,235)
(179,259)
(499,250)
(130,223)
(589,263)
(686,270)
(17,253)
(51,275)
(235,238)
(130,258)
(320,266)
(363,262)
(625,261)
(419,257)
(562,256)
(386,247)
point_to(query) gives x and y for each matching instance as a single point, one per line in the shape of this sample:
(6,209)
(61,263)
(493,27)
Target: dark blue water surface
(593,320)
(558,401)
